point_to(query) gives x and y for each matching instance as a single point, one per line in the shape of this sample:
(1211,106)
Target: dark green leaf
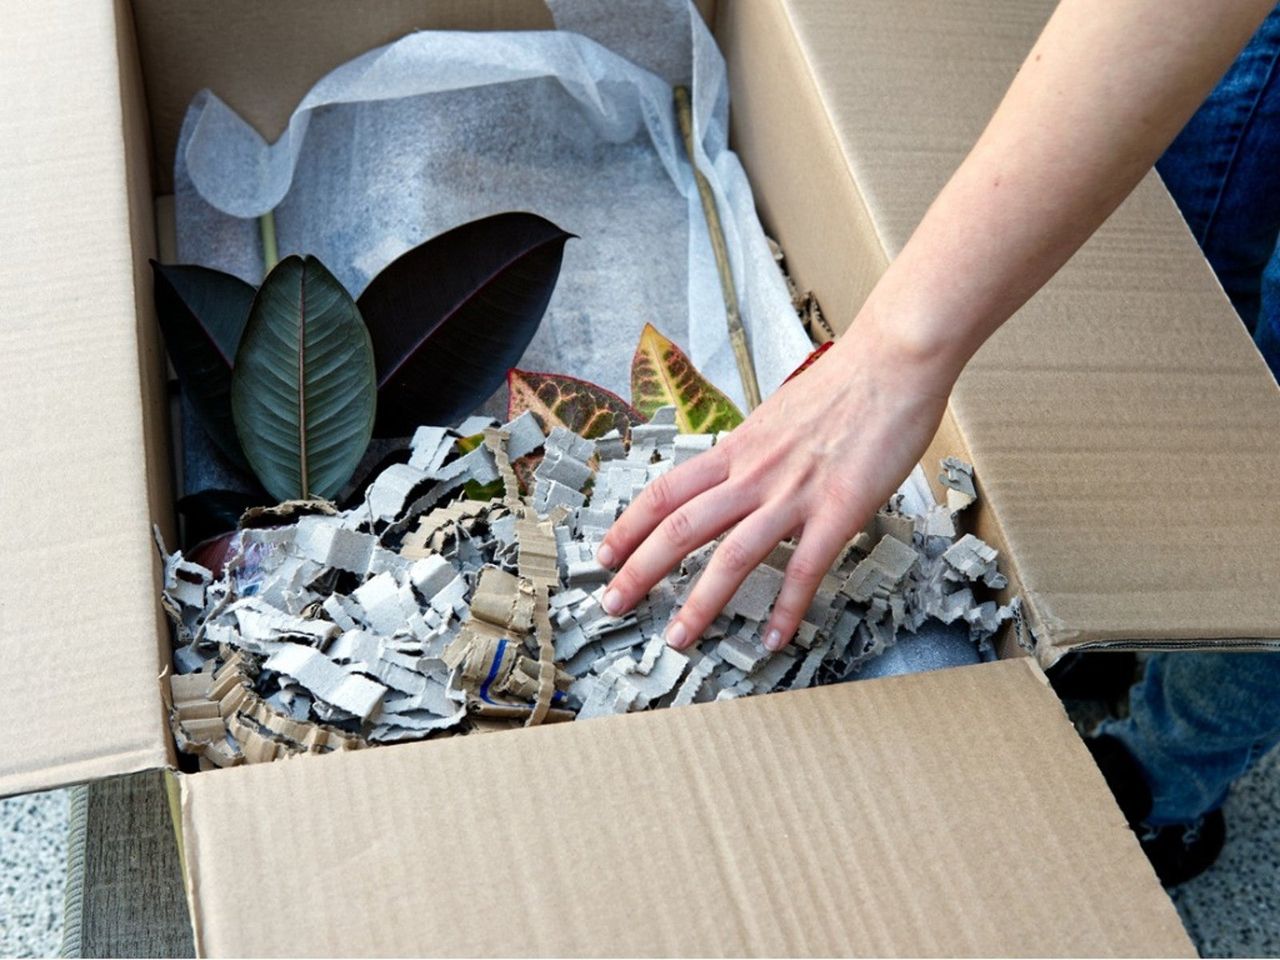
(202,314)
(450,317)
(303,389)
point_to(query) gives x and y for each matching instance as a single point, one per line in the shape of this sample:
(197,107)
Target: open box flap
(80,626)
(1124,428)
(950,813)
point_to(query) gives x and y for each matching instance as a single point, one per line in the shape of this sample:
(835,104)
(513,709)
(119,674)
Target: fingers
(820,544)
(745,547)
(661,498)
(698,521)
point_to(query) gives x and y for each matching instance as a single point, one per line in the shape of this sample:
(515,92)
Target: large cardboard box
(1126,437)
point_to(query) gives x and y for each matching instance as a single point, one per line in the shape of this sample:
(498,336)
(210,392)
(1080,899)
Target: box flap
(80,628)
(1125,430)
(952,813)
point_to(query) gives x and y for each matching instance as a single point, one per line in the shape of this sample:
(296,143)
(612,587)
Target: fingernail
(773,640)
(677,635)
(612,603)
(604,556)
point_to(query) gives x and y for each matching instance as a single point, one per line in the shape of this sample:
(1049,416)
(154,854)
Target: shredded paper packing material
(427,613)
(576,125)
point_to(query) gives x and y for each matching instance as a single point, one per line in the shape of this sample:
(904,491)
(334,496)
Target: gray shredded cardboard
(456,611)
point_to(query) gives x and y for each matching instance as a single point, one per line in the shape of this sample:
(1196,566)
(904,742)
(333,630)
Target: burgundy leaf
(450,317)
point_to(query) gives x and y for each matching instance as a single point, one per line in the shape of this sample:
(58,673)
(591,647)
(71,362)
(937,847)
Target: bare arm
(1105,89)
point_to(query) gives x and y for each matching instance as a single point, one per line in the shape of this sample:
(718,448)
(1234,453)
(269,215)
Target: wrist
(908,339)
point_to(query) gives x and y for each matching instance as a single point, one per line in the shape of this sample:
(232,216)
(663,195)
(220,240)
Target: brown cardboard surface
(853,819)
(80,626)
(1124,428)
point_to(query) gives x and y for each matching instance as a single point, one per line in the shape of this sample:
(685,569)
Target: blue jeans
(1200,720)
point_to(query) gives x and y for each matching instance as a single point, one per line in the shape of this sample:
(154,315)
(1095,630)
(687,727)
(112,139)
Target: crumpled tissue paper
(576,125)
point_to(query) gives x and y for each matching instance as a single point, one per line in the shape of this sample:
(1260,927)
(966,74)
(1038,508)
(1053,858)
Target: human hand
(816,459)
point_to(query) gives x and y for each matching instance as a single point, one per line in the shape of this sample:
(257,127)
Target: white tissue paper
(440,128)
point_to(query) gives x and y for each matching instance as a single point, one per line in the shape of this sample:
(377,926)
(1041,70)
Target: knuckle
(678,530)
(734,556)
(804,571)
(660,494)
(618,534)
(694,613)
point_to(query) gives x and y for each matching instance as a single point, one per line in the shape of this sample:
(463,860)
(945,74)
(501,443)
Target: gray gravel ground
(1233,910)
(33,858)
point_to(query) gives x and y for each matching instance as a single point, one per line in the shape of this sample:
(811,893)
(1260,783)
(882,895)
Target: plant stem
(733,318)
(270,252)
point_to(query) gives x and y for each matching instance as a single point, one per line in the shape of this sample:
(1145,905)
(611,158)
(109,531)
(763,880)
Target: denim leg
(1267,333)
(1223,172)
(1197,722)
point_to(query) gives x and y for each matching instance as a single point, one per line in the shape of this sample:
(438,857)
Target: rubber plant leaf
(450,317)
(202,314)
(809,360)
(303,391)
(559,401)
(663,376)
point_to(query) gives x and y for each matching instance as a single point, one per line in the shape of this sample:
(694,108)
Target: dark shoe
(1178,852)
(1094,676)
(1182,851)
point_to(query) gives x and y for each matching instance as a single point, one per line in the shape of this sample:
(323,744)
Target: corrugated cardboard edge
(777,148)
(108,665)
(729,810)
(153,366)
(791,220)
(777,152)
(176,787)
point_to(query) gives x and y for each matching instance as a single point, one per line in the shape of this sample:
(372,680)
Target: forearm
(1104,90)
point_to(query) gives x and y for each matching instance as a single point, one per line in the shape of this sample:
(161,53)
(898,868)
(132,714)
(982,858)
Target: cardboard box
(1125,435)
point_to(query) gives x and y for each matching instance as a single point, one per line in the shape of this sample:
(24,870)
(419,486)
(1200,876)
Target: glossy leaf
(303,389)
(809,360)
(449,318)
(662,375)
(202,314)
(559,401)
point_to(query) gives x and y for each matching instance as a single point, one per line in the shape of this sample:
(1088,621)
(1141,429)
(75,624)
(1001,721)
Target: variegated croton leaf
(809,360)
(559,401)
(662,375)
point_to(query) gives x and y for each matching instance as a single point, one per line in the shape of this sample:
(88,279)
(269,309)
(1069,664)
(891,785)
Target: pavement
(1232,910)
(33,872)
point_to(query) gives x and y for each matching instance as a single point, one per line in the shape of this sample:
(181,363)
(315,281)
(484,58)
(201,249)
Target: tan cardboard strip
(1124,426)
(842,820)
